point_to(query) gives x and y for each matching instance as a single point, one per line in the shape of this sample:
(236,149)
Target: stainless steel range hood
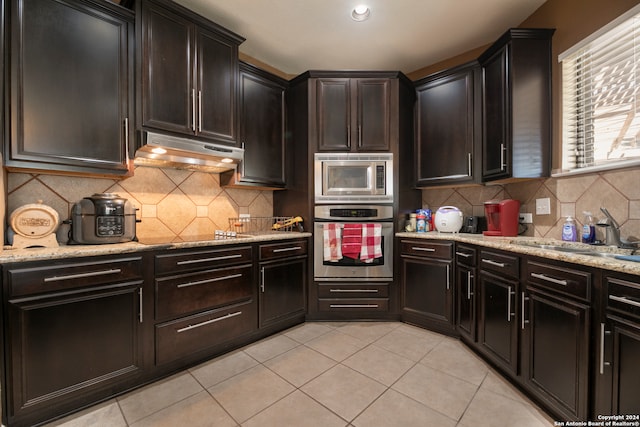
(167,151)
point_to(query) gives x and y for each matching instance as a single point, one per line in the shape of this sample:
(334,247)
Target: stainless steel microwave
(353,177)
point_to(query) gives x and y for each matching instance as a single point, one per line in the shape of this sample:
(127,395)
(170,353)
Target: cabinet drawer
(564,280)
(506,265)
(283,250)
(34,279)
(354,305)
(353,290)
(201,259)
(623,296)
(188,293)
(427,248)
(191,334)
(466,255)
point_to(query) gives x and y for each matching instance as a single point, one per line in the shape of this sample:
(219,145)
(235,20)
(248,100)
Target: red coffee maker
(502,217)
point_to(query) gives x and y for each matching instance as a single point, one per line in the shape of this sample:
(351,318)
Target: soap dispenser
(569,233)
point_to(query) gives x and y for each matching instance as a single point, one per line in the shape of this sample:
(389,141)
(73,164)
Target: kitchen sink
(600,254)
(584,250)
(559,248)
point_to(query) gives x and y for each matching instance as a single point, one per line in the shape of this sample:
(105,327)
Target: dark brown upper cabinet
(260,131)
(517,105)
(189,73)
(353,114)
(448,127)
(69,101)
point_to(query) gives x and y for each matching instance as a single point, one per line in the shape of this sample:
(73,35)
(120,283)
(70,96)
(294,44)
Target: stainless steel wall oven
(336,266)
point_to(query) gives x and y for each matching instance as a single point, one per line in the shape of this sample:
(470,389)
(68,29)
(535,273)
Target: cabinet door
(72,345)
(168,90)
(626,372)
(496,144)
(427,294)
(555,351)
(282,290)
(497,322)
(446,128)
(262,129)
(217,72)
(373,103)
(466,298)
(619,373)
(70,95)
(333,114)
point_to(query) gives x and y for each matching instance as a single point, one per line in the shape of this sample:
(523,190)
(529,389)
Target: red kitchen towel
(332,241)
(371,242)
(352,240)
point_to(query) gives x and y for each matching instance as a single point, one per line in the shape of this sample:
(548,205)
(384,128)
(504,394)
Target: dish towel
(371,242)
(352,240)
(332,237)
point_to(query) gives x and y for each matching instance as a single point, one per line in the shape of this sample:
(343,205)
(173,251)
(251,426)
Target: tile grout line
(471,400)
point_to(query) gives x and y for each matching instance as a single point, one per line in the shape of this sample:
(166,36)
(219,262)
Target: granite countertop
(512,244)
(75,251)
(521,245)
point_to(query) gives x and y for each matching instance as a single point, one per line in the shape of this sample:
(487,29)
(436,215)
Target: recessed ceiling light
(360,13)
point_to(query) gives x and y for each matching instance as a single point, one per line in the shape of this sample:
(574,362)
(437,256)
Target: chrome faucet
(612,232)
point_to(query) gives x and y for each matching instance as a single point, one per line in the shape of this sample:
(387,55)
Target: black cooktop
(161,240)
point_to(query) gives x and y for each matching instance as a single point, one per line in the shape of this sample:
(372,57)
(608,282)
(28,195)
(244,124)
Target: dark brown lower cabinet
(200,333)
(555,321)
(618,369)
(497,322)
(465,291)
(75,343)
(427,284)
(82,330)
(623,351)
(204,299)
(283,282)
(348,300)
(555,352)
(499,281)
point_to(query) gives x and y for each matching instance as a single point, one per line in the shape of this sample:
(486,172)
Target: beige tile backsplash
(172,203)
(618,191)
(180,203)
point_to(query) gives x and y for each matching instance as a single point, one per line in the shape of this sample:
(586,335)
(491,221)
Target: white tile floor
(329,374)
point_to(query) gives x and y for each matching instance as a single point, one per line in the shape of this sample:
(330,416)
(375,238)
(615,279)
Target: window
(600,97)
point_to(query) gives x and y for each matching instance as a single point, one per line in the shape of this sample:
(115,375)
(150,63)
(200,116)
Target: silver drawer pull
(603,362)
(203,282)
(354,306)
(82,275)
(491,262)
(208,322)
(218,258)
(524,302)
(295,248)
(140,303)
(549,279)
(509,313)
(625,300)
(423,249)
(462,254)
(373,291)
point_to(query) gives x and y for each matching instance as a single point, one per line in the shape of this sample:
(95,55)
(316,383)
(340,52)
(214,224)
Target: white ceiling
(299,35)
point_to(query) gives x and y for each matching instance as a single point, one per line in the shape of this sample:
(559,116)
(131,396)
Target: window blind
(601,109)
